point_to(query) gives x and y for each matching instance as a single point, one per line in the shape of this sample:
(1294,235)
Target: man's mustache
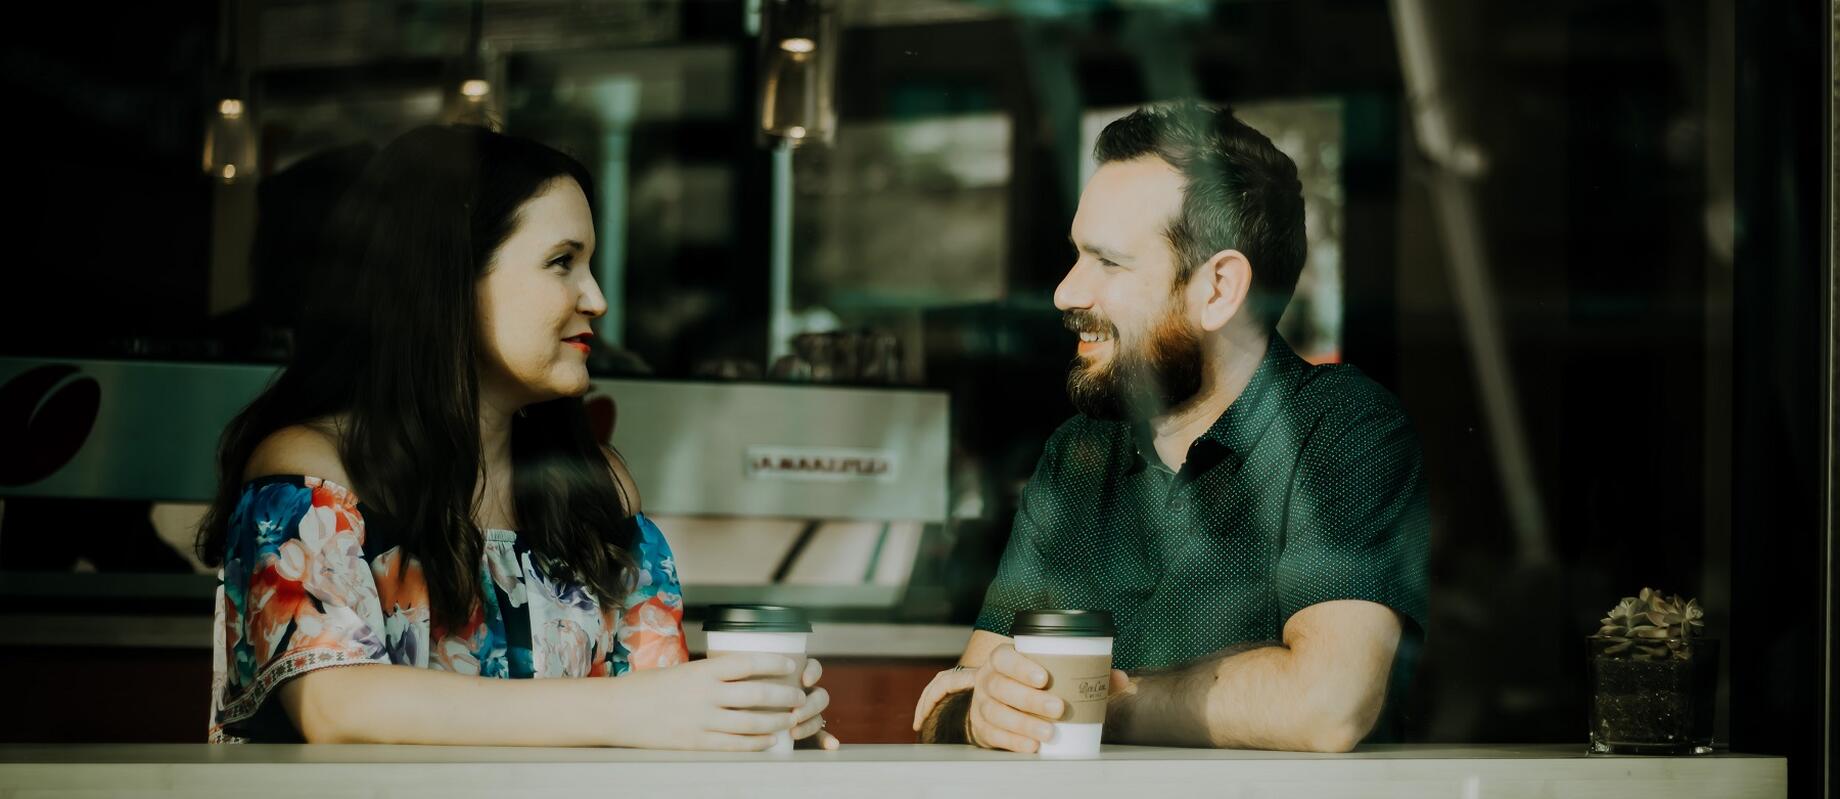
(1080,321)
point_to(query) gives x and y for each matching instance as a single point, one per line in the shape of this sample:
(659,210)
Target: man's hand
(1121,685)
(1009,709)
(946,683)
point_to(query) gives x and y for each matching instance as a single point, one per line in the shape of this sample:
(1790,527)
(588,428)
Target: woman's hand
(723,704)
(810,726)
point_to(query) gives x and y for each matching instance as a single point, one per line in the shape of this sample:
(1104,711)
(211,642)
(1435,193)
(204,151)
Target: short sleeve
(1021,579)
(649,633)
(297,596)
(1359,521)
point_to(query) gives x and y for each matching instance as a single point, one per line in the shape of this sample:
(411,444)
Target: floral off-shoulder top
(306,586)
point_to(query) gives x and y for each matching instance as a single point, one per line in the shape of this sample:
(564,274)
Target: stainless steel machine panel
(149,430)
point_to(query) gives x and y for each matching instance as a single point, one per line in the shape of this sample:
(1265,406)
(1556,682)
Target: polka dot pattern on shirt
(1309,488)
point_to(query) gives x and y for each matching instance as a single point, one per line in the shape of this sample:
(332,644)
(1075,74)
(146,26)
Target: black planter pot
(1652,696)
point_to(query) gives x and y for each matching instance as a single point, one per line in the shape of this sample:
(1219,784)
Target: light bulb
(229,142)
(797,88)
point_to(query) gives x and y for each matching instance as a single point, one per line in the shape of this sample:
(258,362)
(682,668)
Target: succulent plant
(1653,625)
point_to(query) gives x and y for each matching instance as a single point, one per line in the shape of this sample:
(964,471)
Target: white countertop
(879,771)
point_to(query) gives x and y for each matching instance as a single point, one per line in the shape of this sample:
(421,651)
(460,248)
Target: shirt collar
(1238,428)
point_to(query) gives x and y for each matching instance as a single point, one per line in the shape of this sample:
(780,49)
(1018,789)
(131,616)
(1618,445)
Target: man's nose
(1074,290)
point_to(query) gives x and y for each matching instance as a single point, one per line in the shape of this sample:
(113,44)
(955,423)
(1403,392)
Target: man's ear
(1228,275)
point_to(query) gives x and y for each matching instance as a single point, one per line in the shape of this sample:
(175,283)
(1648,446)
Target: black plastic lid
(755,619)
(1065,623)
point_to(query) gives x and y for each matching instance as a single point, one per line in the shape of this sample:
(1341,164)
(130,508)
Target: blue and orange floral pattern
(304,589)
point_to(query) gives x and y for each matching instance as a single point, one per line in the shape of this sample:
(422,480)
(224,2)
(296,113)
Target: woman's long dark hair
(388,345)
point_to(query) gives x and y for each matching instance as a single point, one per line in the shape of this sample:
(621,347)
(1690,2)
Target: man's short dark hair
(1241,193)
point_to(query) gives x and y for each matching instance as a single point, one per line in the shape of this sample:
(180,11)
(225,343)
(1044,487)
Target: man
(1256,525)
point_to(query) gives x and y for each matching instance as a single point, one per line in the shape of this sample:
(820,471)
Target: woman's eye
(1107,262)
(565,261)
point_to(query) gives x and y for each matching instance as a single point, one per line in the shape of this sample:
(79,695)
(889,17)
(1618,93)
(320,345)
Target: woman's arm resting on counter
(706,704)
(1319,691)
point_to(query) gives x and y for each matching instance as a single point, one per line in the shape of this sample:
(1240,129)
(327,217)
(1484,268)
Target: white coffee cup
(733,629)
(1075,648)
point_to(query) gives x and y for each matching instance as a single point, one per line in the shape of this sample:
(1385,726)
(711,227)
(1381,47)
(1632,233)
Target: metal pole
(1830,460)
(780,323)
(1455,164)
(616,102)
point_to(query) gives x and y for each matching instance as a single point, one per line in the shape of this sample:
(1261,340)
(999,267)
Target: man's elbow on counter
(1338,720)
(1325,732)
(1338,732)
(1336,738)
(1322,734)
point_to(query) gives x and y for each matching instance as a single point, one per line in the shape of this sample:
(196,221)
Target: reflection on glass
(798,60)
(229,142)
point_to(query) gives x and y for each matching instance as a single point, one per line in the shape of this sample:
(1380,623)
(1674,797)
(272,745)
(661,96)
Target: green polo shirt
(1309,488)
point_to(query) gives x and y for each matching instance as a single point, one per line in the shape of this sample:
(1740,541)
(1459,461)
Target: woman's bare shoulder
(308,449)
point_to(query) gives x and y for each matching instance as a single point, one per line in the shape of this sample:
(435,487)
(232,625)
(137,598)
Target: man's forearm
(1250,696)
(1163,707)
(948,722)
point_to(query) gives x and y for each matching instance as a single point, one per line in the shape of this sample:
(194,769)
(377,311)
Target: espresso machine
(811,495)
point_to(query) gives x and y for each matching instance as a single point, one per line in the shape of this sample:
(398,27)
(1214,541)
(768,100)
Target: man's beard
(1137,383)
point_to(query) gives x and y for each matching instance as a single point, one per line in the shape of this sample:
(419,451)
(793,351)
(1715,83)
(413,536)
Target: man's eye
(1107,262)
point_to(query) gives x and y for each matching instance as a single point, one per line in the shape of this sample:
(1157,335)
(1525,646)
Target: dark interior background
(1651,215)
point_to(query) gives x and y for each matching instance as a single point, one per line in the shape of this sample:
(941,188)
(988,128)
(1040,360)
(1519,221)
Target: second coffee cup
(1075,648)
(733,629)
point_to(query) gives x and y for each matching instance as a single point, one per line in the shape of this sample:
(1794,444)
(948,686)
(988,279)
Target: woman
(367,501)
